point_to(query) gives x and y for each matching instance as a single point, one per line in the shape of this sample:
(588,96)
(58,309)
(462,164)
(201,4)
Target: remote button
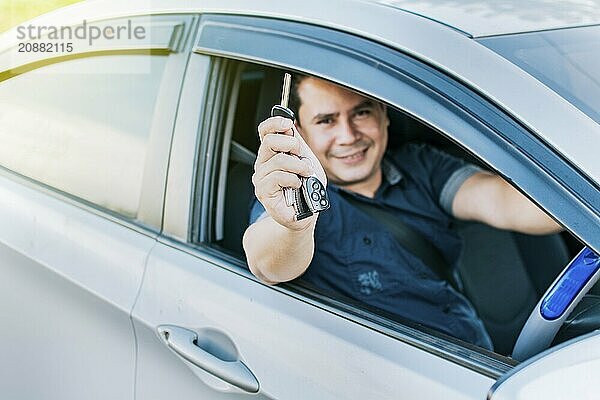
(315,196)
(323,202)
(322,192)
(316,185)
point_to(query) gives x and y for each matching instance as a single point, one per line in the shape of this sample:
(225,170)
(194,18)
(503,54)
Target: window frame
(259,40)
(200,239)
(379,71)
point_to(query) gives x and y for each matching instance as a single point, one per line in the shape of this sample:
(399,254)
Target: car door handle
(183,342)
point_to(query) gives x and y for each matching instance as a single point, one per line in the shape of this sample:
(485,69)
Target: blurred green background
(14,12)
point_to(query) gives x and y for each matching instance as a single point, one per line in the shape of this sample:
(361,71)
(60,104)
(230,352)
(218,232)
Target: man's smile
(354,157)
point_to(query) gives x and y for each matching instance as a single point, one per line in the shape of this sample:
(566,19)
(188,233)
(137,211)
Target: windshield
(566,60)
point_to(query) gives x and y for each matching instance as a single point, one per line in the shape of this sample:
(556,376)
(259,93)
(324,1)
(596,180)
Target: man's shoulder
(414,154)
(414,149)
(427,163)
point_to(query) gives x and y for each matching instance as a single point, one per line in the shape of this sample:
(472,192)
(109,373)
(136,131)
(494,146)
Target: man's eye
(325,121)
(363,113)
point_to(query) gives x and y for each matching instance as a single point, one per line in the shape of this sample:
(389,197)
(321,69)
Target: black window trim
(260,40)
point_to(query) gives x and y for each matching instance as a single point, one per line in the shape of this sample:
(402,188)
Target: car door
(83,169)
(207,328)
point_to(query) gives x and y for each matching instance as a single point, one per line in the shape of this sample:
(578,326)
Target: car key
(311,197)
(281,110)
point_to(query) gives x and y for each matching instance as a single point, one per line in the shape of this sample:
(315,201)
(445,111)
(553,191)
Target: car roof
(479,18)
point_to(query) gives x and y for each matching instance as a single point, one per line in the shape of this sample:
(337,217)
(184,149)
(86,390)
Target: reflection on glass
(565,60)
(82,126)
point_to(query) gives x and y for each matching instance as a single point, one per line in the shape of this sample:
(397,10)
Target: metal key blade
(285,92)
(288,193)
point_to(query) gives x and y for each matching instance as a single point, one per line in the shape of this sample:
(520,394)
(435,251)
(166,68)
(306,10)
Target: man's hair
(294,102)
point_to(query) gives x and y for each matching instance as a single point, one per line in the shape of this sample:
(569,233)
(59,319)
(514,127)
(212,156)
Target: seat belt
(408,238)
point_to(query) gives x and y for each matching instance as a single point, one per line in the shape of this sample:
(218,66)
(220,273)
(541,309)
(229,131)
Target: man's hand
(280,248)
(283,156)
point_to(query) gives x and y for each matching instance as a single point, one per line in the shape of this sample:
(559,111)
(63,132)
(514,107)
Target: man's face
(346,131)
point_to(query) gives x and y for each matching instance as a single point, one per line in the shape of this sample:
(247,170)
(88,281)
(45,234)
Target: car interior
(503,273)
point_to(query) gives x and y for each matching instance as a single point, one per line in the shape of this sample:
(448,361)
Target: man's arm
(276,253)
(279,248)
(488,198)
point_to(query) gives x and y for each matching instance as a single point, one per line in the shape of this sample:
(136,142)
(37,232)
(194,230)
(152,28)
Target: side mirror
(568,371)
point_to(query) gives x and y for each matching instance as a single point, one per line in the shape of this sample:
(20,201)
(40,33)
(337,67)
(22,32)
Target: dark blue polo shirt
(359,258)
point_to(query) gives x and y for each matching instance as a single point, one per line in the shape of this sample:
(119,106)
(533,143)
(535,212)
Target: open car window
(494,264)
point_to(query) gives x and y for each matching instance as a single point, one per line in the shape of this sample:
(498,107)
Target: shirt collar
(391,173)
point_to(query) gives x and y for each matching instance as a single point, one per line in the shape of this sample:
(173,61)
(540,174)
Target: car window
(82,126)
(513,268)
(565,60)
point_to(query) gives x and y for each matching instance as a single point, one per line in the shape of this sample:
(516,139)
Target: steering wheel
(566,293)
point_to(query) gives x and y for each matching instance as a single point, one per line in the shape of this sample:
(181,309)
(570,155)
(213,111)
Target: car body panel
(486,18)
(70,279)
(295,350)
(179,194)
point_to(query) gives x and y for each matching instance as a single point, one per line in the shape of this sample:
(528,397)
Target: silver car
(128,135)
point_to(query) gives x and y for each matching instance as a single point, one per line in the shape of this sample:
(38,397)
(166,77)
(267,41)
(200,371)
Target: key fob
(315,194)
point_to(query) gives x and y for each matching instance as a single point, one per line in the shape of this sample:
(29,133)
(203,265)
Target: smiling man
(343,140)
